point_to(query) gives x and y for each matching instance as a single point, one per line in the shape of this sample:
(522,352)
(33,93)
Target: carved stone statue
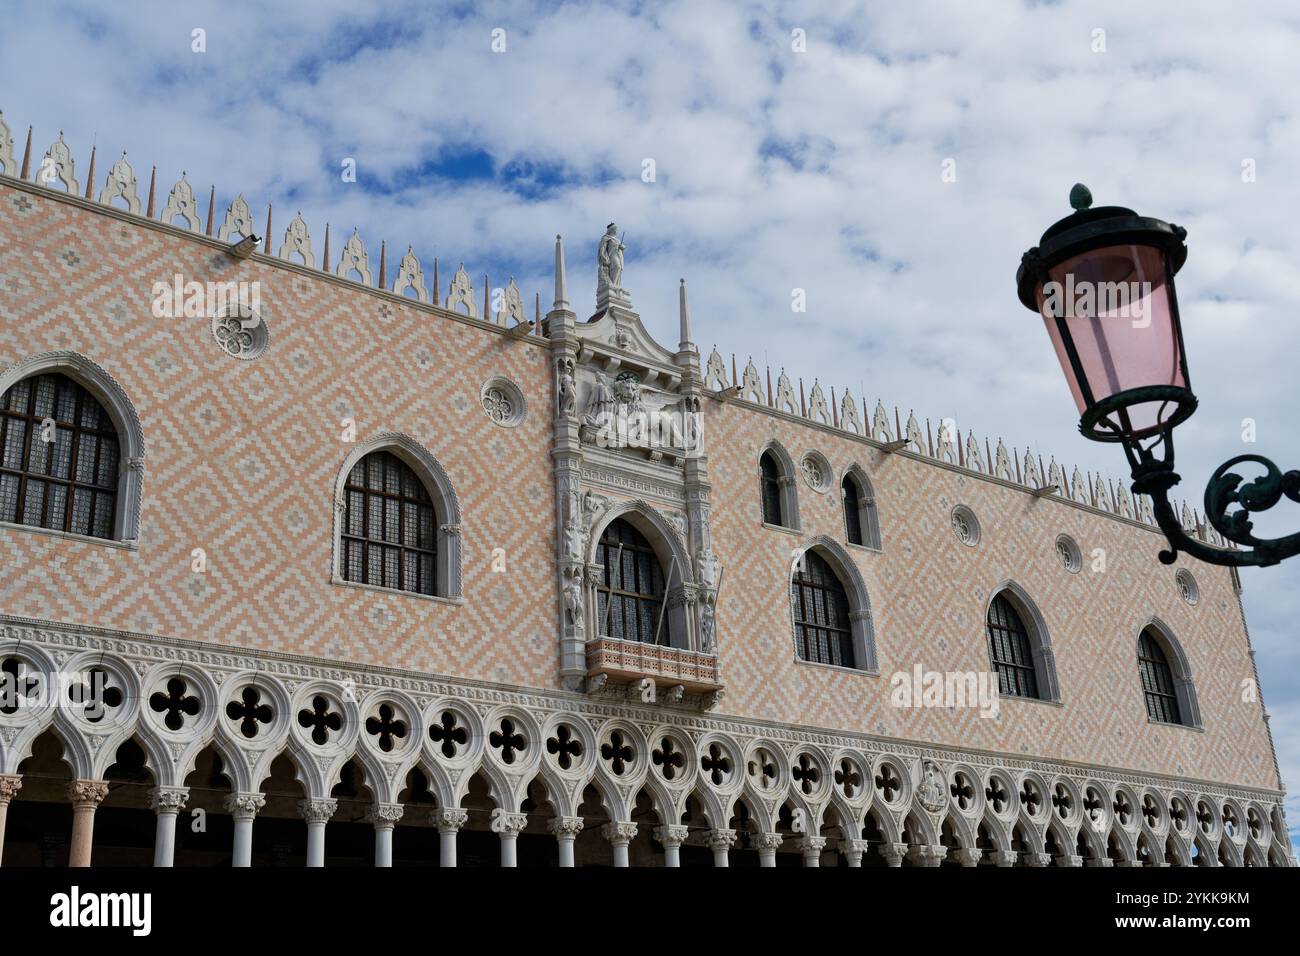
(609,262)
(573,596)
(932,792)
(568,392)
(601,405)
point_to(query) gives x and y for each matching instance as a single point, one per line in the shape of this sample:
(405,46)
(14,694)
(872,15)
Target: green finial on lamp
(1080,197)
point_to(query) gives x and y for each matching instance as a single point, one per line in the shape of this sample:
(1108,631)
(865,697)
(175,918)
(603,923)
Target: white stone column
(720,841)
(811,847)
(566,830)
(166,802)
(383,817)
(243,808)
(508,826)
(672,837)
(317,813)
(10,784)
(766,844)
(448,823)
(970,856)
(853,850)
(85,797)
(619,836)
(893,853)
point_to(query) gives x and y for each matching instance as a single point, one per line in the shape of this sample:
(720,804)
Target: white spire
(561,287)
(685,345)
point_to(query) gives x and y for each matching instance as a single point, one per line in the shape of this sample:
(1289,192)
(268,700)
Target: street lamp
(1103,281)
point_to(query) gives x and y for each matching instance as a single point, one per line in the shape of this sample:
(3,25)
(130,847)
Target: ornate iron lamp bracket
(1226,488)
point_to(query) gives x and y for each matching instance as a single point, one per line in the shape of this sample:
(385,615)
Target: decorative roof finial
(686,344)
(561,303)
(1080,197)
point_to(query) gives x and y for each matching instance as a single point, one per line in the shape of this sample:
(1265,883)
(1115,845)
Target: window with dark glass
(852,510)
(822,631)
(771,481)
(59,464)
(1157,681)
(1010,651)
(630,597)
(389,526)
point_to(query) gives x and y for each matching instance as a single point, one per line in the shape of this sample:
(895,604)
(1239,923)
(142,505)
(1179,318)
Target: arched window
(861,526)
(1011,651)
(771,481)
(389,534)
(1157,680)
(852,513)
(630,597)
(823,632)
(61,457)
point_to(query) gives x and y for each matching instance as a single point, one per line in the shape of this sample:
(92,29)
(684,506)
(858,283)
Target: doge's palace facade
(369,565)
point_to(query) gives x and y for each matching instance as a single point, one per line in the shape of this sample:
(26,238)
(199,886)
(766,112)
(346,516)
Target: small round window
(816,471)
(965,526)
(240,331)
(1187,586)
(1068,553)
(502,402)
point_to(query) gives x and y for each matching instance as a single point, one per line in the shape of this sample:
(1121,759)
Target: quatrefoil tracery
(321,720)
(387,726)
(564,746)
(175,703)
(449,734)
(249,711)
(508,741)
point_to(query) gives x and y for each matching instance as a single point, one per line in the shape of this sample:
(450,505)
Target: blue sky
(775,170)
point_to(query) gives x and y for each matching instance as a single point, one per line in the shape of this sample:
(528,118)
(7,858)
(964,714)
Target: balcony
(623,662)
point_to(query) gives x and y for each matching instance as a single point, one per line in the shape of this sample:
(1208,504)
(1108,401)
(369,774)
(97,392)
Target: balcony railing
(626,661)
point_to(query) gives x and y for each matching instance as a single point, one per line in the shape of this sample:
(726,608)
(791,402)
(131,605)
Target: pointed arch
(860,515)
(674,566)
(1035,633)
(778,492)
(121,414)
(1180,671)
(446,508)
(841,563)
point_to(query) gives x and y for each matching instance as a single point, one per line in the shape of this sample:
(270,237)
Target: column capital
(244,806)
(853,847)
(168,799)
(812,844)
(1129,863)
(617,833)
(10,784)
(566,827)
(893,853)
(83,794)
(1036,859)
(969,856)
(448,820)
(1104,861)
(1005,857)
(768,841)
(721,839)
(1070,859)
(318,811)
(671,834)
(384,816)
(506,823)
(927,855)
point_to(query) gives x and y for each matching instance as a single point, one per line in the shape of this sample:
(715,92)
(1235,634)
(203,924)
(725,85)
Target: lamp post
(1103,281)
